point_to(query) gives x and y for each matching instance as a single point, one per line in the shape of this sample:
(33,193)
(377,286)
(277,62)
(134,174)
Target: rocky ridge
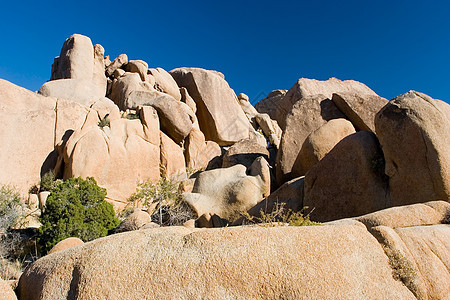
(333,146)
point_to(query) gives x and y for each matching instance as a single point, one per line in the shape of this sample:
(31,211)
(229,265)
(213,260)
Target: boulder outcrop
(319,143)
(228,191)
(360,109)
(244,152)
(305,87)
(27,135)
(66,244)
(219,114)
(325,262)
(306,115)
(172,164)
(349,181)
(117,155)
(414,133)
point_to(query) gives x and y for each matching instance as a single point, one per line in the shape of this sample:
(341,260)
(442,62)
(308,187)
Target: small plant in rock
(164,202)
(75,208)
(48,182)
(104,122)
(281,216)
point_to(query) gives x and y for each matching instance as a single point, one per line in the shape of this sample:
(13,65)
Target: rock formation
(414,132)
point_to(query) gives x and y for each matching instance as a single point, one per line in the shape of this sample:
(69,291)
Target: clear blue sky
(391,46)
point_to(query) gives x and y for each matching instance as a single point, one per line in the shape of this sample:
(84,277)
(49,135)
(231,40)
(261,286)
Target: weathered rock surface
(186,98)
(429,213)
(414,132)
(324,262)
(227,192)
(27,135)
(348,181)
(118,62)
(198,152)
(76,59)
(176,118)
(117,156)
(165,83)
(81,91)
(137,66)
(172,159)
(306,115)
(219,114)
(288,196)
(360,109)
(269,104)
(123,86)
(416,240)
(319,143)
(244,152)
(136,220)
(66,244)
(78,74)
(305,87)
(270,128)
(6,292)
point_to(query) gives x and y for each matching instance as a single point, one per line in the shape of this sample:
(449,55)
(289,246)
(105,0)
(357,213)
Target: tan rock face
(123,86)
(186,98)
(117,156)
(78,74)
(176,118)
(348,181)
(172,159)
(244,152)
(134,221)
(308,87)
(319,143)
(227,191)
(6,292)
(66,244)
(324,262)
(269,105)
(27,135)
(81,91)
(270,128)
(414,131)
(76,59)
(417,244)
(165,83)
(359,108)
(137,66)
(118,62)
(220,117)
(420,214)
(198,152)
(307,115)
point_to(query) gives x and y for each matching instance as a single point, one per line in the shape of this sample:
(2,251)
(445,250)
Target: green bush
(48,182)
(75,208)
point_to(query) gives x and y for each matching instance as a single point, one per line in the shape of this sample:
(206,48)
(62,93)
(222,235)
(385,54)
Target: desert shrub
(75,208)
(280,215)
(164,201)
(48,182)
(11,214)
(10,208)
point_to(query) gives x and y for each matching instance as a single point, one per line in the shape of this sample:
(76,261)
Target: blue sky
(391,46)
